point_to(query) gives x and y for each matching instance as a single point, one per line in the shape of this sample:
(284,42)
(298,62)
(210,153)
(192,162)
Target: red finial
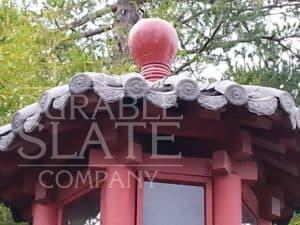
(153,44)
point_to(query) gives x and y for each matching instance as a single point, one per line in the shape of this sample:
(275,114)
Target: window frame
(244,204)
(71,194)
(181,176)
(194,171)
(250,200)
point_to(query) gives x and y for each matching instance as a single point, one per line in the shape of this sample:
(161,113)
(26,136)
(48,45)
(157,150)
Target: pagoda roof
(165,93)
(270,117)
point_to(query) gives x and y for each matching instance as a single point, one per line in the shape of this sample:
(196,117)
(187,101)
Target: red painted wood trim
(67,195)
(184,165)
(97,158)
(247,171)
(140,204)
(209,202)
(271,201)
(269,145)
(74,197)
(227,200)
(200,128)
(242,146)
(221,163)
(250,200)
(273,160)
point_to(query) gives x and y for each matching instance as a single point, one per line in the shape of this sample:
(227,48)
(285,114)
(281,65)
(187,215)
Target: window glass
(173,204)
(248,217)
(83,211)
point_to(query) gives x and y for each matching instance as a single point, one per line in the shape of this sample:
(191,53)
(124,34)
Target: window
(248,217)
(173,204)
(83,211)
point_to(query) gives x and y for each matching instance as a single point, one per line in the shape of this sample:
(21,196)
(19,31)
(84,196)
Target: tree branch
(196,15)
(99,30)
(200,50)
(274,6)
(207,42)
(89,17)
(279,41)
(268,38)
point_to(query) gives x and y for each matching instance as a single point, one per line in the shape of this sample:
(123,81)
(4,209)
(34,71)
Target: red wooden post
(227,200)
(45,214)
(118,197)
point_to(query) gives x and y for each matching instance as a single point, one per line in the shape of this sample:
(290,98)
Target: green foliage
(6,217)
(295,220)
(269,78)
(34,58)
(254,40)
(31,60)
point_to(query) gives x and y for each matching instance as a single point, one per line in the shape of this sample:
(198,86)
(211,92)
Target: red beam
(247,170)
(242,146)
(278,162)
(221,164)
(269,145)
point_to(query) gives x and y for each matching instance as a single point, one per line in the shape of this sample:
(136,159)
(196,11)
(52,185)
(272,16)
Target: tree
(58,38)
(6,217)
(244,37)
(34,58)
(295,220)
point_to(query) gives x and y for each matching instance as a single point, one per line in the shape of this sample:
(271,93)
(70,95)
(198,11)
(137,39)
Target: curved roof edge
(262,101)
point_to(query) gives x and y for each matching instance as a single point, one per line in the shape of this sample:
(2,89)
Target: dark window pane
(173,204)
(83,211)
(248,217)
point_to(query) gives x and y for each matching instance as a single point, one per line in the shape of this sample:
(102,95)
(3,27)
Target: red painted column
(118,197)
(45,214)
(227,200)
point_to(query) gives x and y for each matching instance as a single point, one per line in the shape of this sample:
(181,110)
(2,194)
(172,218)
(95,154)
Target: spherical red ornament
(153,44)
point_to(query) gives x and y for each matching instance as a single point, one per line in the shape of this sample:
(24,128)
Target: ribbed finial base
(155,71)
